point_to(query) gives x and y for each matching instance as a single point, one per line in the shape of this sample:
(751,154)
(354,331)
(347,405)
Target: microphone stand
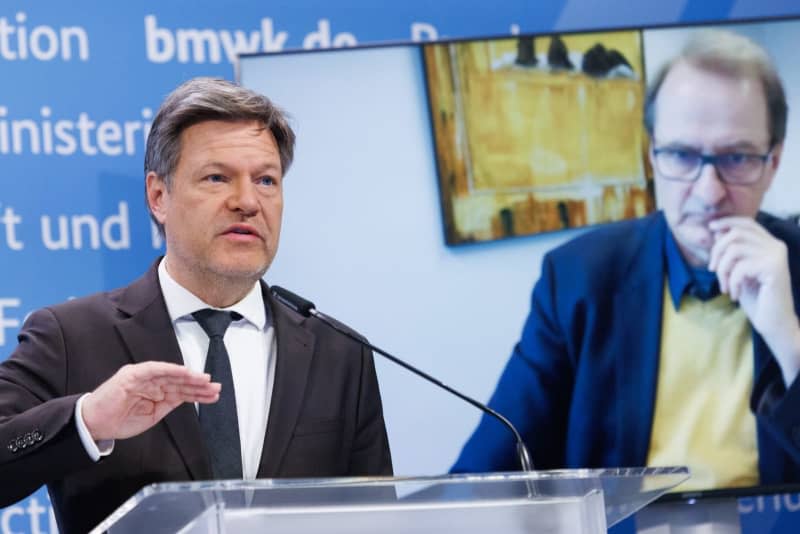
(307,309)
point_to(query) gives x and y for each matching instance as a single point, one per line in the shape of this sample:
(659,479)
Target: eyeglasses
(685,165)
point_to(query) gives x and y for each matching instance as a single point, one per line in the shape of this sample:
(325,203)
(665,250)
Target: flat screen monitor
(408,152)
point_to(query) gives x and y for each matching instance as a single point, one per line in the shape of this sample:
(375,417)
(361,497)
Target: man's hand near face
(752,267)
(139,396)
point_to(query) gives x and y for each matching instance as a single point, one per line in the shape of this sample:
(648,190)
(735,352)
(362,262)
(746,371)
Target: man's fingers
(741,276)
(158,391)
(725,224)
(727,261)
(753,235)
(192,394)
(171,385)
(164,372)
(729,229)
(210,399)
(161,405)
(152,384)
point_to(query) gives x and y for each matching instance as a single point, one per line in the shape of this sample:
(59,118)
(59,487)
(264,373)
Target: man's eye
(683,155)
(267,180)
(734,159)
(215,178)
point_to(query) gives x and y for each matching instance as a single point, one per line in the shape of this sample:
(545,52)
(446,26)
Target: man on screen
(193,371)
(673,339)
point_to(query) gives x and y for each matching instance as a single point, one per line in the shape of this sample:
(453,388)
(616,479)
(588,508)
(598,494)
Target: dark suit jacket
(325,418)
(580,384)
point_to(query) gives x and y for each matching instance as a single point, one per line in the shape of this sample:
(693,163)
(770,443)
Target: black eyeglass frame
(712,159)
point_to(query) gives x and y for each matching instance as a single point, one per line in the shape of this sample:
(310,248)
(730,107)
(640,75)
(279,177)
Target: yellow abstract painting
(535,134)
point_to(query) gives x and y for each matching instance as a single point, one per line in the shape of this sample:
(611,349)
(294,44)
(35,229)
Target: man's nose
(243,197)
(709,186)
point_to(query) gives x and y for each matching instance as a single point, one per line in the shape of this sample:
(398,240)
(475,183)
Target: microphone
(307,309)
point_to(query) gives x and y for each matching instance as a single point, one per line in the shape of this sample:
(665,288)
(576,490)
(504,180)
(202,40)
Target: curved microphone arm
(307,309)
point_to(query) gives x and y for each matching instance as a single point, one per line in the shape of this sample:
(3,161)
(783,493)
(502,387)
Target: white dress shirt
(251,347)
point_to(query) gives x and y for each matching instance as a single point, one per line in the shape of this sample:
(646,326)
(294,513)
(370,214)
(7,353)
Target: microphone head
(292,301)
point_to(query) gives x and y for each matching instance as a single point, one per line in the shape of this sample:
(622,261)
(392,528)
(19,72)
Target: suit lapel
(637,314)
(148,335)
(295,345)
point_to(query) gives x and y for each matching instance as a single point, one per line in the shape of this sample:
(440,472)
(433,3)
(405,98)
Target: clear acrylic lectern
(568,501)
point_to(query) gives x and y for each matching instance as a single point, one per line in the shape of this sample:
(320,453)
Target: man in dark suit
(672,339)
(102,394)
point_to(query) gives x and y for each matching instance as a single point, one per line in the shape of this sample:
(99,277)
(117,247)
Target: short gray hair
(733,55)
(210,99)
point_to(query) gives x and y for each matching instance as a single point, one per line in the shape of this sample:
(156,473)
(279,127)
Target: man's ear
(157,196)
(772,163)
(775,159)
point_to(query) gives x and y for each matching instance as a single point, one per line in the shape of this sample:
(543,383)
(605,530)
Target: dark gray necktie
(218,421)
(704,285)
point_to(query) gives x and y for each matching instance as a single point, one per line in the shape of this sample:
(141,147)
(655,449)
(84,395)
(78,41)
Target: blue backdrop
(82,79)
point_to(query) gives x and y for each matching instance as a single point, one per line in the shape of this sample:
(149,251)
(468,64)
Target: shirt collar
(699,282)
(181,302)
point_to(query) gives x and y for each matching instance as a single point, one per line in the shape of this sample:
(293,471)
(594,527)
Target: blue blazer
(580,384)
